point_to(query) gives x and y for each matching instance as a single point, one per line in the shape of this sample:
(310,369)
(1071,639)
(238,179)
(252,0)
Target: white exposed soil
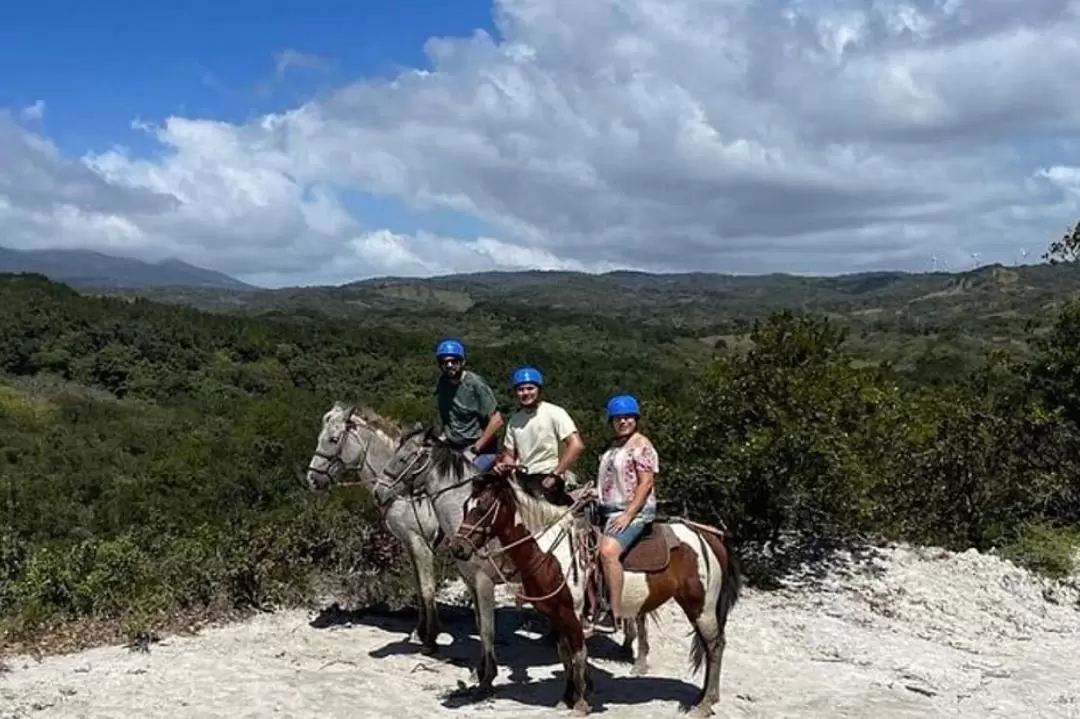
(899,632)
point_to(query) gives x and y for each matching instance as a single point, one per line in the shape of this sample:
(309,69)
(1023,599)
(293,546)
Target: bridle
(417,465)
(482,528)
(334,460)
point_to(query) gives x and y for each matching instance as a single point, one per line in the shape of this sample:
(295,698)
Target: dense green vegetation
(147,449)
(941,320)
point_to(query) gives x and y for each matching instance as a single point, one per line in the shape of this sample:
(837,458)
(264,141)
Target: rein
(421,462)
(482,524)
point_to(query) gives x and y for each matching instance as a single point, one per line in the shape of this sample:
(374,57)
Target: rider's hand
(550,480)
(620,522)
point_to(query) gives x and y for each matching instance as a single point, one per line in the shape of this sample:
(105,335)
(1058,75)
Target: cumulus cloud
(728,135)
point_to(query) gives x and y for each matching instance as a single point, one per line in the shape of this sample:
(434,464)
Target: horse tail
(731,583)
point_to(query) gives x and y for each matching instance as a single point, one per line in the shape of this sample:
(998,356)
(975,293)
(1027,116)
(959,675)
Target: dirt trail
(898,633)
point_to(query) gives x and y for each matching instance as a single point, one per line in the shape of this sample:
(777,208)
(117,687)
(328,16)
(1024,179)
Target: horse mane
(540,508)
(533,485)
(371,418)
(444,457)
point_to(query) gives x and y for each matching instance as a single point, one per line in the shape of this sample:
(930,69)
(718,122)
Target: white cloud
(307,61)
(731,135)
(33,112)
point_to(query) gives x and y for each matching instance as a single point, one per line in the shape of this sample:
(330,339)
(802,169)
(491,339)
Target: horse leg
(483,591)
(423,560)
(641,661)
(568,671)
(583,681)
(702,608)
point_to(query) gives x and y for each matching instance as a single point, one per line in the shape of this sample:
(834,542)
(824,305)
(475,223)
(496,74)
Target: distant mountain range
(88,269)
(993,301)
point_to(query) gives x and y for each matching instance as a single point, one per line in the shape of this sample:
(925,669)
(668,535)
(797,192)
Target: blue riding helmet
(623,405)
(527,375)
(450,348)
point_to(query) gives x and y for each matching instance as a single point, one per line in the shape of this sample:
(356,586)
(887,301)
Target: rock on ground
(896,632)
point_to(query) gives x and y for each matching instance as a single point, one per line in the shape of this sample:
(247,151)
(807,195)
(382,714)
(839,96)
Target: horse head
(344,443)
(489,513)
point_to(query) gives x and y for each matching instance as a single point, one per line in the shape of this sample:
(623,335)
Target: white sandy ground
(900,633)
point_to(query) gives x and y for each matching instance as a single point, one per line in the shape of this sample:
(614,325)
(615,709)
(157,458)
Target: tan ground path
(916,633)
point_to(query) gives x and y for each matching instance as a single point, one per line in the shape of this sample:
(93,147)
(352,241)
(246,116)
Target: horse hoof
(639,670)
(580,709)
(701,710)
(429,649)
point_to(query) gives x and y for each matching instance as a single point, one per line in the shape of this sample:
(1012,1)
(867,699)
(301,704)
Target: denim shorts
(631,532)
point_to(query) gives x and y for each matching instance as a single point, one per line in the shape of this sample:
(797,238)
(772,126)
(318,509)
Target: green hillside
(934,322)
(147,449)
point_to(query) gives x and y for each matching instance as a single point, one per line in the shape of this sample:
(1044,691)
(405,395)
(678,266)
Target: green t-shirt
(464,408)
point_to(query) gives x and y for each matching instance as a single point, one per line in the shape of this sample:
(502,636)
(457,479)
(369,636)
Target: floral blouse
(618,475)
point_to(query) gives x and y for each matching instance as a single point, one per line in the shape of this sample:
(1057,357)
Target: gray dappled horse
(425,466)
(355,439)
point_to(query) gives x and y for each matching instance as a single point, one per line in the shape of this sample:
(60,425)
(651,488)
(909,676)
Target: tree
(1067,249)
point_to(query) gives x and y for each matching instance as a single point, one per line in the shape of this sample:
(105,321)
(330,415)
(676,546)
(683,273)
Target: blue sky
(99,64)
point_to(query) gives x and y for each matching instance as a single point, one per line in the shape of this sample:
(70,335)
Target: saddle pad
(651,553)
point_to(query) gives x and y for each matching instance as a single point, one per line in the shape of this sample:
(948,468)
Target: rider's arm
(570,438)
(495,423)
(489,407)
(572,448)
(646,464)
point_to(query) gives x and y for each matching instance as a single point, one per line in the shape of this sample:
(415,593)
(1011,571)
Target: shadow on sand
(608,690)
(515,651)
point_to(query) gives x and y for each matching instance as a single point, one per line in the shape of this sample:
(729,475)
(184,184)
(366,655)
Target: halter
(333,460)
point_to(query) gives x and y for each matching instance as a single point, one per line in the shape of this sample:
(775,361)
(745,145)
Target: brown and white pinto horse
(678,559)
(491,513)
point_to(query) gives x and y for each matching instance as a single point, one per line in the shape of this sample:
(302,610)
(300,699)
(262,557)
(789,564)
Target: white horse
(358,439)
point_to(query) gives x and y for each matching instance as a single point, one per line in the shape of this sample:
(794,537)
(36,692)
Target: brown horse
(491,512)
(676,559)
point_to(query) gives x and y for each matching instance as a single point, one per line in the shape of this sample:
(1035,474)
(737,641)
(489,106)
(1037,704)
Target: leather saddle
(651,553)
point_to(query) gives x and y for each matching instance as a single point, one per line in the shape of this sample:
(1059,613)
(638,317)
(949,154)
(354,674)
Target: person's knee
(610,550)
(485,462)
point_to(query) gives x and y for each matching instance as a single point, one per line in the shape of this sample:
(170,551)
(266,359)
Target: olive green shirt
(464,408)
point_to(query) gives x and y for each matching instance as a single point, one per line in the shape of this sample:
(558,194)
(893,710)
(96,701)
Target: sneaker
(604,623)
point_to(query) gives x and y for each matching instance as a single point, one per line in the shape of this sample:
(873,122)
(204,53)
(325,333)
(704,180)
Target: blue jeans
(484,462)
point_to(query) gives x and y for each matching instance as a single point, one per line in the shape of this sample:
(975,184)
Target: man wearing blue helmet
(468,411)
(625,495)
(540,435)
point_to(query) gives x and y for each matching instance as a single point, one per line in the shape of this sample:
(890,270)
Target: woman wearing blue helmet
(625,492)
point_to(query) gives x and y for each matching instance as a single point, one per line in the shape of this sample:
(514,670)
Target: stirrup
(603,623)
